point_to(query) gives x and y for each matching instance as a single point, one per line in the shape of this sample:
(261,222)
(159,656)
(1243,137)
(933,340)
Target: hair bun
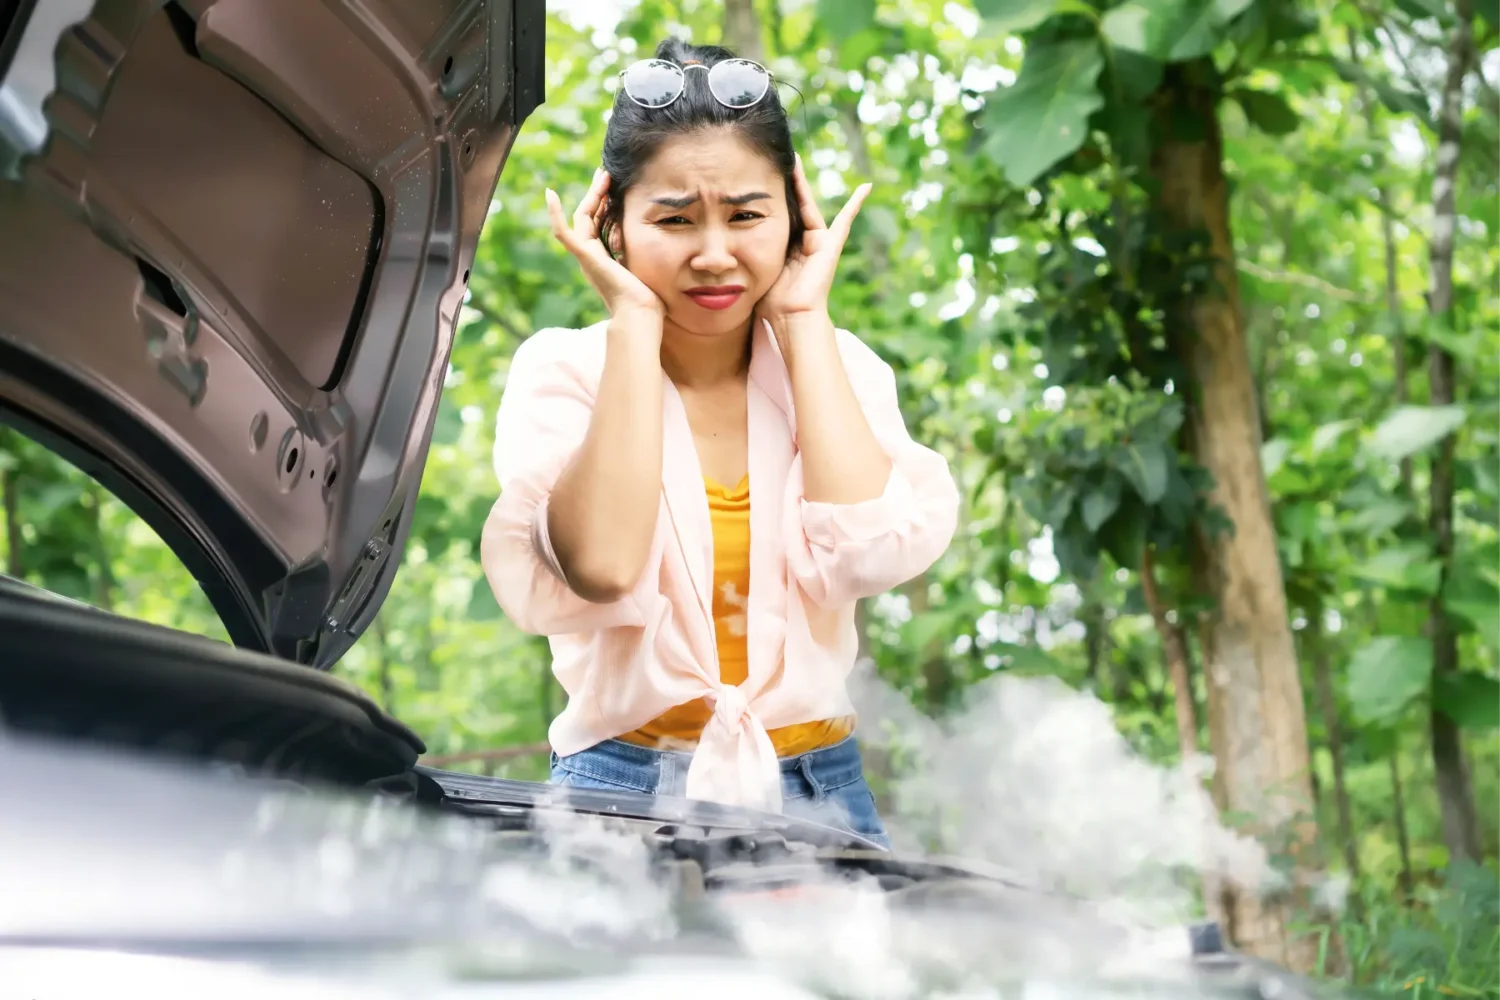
(678,51)
(674,49)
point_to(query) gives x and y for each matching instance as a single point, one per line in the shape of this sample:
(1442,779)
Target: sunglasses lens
(653,82)
(738,83)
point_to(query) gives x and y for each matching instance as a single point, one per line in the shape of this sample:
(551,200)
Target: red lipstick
(716,296)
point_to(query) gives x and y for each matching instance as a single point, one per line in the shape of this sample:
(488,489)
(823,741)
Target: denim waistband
(664,772)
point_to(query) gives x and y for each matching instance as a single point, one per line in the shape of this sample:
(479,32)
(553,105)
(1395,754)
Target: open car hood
(235,236)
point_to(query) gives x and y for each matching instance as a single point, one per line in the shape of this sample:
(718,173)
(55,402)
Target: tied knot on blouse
(735,761)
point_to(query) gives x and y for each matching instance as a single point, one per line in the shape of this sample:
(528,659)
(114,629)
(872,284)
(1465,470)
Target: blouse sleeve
(842,552)
(542,419)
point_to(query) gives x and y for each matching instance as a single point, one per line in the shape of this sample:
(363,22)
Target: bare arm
(601,516)
(842,462)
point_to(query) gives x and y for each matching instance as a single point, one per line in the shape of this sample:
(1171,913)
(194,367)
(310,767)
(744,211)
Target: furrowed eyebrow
(692,199)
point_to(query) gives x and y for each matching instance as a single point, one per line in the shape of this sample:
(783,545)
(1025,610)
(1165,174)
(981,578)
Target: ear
(616,243)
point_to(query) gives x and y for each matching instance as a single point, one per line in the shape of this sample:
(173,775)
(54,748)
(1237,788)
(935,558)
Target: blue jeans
(825,786)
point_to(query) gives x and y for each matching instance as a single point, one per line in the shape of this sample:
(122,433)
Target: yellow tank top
(729,512)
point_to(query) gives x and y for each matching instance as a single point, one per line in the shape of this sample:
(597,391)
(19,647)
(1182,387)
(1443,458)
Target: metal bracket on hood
(361,585)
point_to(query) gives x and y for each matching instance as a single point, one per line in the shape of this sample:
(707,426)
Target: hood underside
(235,236)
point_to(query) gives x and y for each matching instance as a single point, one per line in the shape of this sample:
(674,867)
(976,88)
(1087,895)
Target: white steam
(1032,776)
(1029,777)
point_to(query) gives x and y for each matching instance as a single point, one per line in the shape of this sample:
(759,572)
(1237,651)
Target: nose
(716,250)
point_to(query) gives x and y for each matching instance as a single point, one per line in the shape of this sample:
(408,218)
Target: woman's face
(705,226)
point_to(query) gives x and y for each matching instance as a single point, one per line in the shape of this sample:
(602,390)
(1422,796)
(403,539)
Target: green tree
(1068,193)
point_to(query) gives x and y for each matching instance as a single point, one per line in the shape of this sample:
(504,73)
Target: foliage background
(981,269)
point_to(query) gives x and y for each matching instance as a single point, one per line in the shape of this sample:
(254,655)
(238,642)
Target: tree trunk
(1402,393)
(1329,707)
(742,30)
(1455,791)
(1398,810)
(1180,670)
(1175,651)
(1256,723)
(1317,789)
(1095,636)
(778,29)
(1393,308)
(1388,238)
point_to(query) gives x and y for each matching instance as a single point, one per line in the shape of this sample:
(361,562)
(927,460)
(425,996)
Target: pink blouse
(626,662)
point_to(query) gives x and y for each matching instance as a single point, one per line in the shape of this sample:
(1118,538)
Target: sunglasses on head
(656,83)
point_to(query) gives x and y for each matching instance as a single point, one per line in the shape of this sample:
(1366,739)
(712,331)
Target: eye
(745,216)
(672,220)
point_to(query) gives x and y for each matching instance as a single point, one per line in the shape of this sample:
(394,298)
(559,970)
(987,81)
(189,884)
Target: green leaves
(1420,9)
(1130,27)
(1043,116)
(1379,515)
(1414,428)
(1409,567)
(1124,536)
(1328,435)
(1136,75)
(1015,15)
(1469,699)
(846,18)
(1146,466)
(1100,504)
(1273,455)
(1471,594)
(1170,31)
(1398,98)
(482,604)
(1228,10)
(1266,111)
(1386,674)
(1389,672)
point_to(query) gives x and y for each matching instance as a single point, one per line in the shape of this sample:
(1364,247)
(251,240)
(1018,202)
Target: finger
(844,221)
(583,218)
(559,223)
(568,236)
(600,213)
(812,218)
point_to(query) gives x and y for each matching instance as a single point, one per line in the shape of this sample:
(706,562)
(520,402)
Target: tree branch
(1412,79)
(493,315)
(1296,278)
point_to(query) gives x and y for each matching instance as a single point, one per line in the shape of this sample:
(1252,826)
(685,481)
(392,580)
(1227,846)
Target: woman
(695,492)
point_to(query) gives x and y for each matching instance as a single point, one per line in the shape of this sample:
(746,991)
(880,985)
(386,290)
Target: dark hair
(636,133)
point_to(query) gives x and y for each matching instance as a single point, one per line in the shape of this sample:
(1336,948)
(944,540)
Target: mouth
(716,296)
